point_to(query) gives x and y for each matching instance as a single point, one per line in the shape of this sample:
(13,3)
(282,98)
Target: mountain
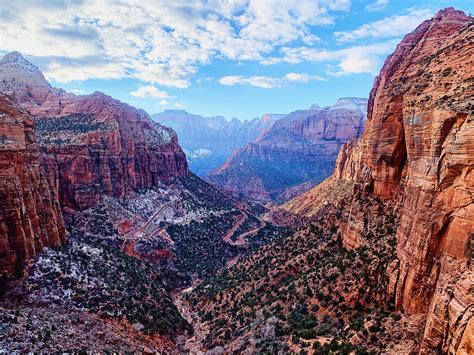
(297,152)
(215,136)
(92,144)
(386,263)
(139,224)
(30,213)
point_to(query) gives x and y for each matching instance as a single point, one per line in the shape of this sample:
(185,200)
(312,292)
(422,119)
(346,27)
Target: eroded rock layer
(30,213)
(417,155)
(92,144)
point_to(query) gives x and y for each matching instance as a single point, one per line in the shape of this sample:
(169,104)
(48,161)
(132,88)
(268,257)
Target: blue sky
(232,58)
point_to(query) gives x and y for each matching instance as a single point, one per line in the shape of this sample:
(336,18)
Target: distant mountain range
(297,152)
(209,141)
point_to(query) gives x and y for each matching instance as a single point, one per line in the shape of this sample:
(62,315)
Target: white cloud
(144,91)
(78,92)
(163,102)
(178,105)
(268,82)
(302,77)
(351,60)
(377,5)
(388,27)
(157,42)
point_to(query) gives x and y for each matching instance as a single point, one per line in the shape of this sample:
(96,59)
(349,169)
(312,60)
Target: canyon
(296,153)
(382,257)
(417,157)
(109,241)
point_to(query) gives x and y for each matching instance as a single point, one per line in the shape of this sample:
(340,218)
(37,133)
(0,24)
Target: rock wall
(92,144)
(97,145)
(30,213)
(417,154)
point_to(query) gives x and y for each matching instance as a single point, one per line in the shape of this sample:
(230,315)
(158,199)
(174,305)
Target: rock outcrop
(209,141)
(417,156)
(300,150)
(30,213)
(93,144)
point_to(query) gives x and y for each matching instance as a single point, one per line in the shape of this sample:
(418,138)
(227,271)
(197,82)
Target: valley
(346,229)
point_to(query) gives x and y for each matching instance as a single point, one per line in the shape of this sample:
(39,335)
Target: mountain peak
(351,103)
(20,77)
(13,57)
(16,59)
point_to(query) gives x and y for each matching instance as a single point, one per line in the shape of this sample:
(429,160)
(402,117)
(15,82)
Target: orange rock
(30,214)
(417,155)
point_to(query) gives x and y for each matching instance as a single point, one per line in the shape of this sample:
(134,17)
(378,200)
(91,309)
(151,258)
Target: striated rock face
(30,213)
(209,141)
(417,155)
(92,145)
(301,147)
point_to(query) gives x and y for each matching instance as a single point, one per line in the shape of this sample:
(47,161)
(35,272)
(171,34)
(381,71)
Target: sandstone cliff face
(97,145)
(30,213)
(417,155)
(92,145)
(301,147)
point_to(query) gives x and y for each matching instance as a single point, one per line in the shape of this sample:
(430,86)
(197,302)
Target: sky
(234,58)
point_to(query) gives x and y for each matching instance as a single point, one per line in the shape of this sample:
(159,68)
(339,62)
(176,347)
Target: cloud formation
(150,91)
(351,60)
(377,5)
(391,26)
(268,82)
(157,42)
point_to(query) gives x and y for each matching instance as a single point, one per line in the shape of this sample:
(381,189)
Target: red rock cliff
(30,213)
(93,144)
(417,155)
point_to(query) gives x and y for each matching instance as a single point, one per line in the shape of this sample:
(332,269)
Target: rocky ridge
(216,137)
(92,144)
(296,153)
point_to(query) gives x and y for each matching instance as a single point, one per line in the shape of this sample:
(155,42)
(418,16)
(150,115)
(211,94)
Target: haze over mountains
(110,243)
(209,141)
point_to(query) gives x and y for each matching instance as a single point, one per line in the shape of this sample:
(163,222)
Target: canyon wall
(30,213)
(59,152)
(92,144)
(417,156)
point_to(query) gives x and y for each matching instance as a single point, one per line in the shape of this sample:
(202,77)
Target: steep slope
(92,145)
(30,214)
(297,152)
(386,264)
(417,155)
(209,141)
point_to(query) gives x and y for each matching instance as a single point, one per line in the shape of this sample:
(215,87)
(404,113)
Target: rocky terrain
(30,213)
(93,144)
(375,259)
(298,152)
(209,141)
(399,201)
(139,225)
